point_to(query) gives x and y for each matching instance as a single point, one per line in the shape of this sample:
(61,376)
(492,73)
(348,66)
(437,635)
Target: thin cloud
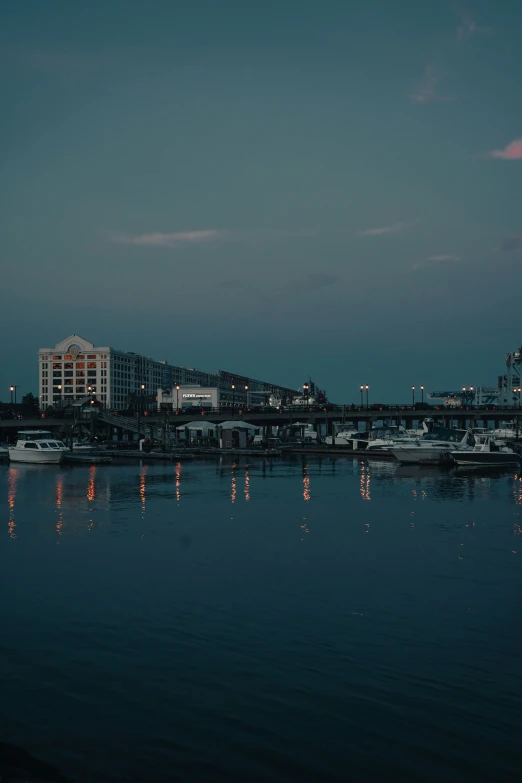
(468,28)
(513,151)
(511,244)
(315,281)
(427,89)
(392,229)
(177,239)
(443,258)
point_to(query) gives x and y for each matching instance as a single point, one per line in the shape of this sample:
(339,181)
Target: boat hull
(50,457)
(486,459)
(420,456)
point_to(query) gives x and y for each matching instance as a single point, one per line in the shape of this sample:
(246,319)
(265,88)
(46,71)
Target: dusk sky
(282,189)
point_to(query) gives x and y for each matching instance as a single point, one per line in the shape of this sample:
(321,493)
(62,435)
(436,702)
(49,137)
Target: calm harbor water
(253,621)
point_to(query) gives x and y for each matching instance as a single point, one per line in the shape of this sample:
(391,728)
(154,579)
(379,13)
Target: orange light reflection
(91,486)
(59,499)
(12,478)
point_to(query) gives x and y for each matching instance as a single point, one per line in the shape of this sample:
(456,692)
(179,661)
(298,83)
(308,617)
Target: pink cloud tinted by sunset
(393,228)
(513,151)
(176,239)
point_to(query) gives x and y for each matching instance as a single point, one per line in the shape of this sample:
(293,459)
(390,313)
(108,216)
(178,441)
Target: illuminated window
(91,356)
(68,365)
(57,366)
(67,356)
(91,365)
(80,365)
(81,356)
(57,356)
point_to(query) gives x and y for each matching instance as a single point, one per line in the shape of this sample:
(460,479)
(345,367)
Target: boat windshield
(451,436)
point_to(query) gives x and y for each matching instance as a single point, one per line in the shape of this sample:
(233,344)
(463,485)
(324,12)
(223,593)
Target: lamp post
(246,396)
(413,395)
(367,401)
(60,395)
(13,389)
(177,399)
(422,394)
(305,392)
(362,391)
(233,398)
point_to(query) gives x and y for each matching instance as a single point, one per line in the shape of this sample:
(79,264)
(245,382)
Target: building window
(80,365)
(57,356)
(80,390)
(81,356)
(45,356)
(91,365)
(68,373)
(91,373)
(80,373)
(68,366)
(68,390)
(57,366)
(57,373)
(92,355)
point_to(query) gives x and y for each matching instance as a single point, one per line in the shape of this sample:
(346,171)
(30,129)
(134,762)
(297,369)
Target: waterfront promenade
(361,418)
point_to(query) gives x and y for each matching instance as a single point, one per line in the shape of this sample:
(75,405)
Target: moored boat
(433,448)
(488,453)
(38,447)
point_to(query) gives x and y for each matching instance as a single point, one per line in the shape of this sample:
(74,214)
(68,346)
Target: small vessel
(434,447)
(488,453)
(343,437)
(87,445)
(37,446)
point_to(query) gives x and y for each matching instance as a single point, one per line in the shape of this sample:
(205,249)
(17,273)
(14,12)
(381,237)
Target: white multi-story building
(75,368)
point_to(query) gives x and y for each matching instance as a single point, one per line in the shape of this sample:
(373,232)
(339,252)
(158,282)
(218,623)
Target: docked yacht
(433,447)
(488,453)
(386,438)
(342,437)
(37,446)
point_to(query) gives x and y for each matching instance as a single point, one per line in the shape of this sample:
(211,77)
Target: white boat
(37,446)
(86,445)
(386,438)
(433,447)
(343,437)
(488,453)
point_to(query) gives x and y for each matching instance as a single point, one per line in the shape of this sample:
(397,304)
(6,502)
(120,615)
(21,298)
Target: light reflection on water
(382,598)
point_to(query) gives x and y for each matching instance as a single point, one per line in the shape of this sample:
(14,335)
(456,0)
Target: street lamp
(177,399)
(305,393)
(246,396)
(362,390)
(413,395)
(59,387)
(13,389)
(233,398)
(422,394)
(367,389)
